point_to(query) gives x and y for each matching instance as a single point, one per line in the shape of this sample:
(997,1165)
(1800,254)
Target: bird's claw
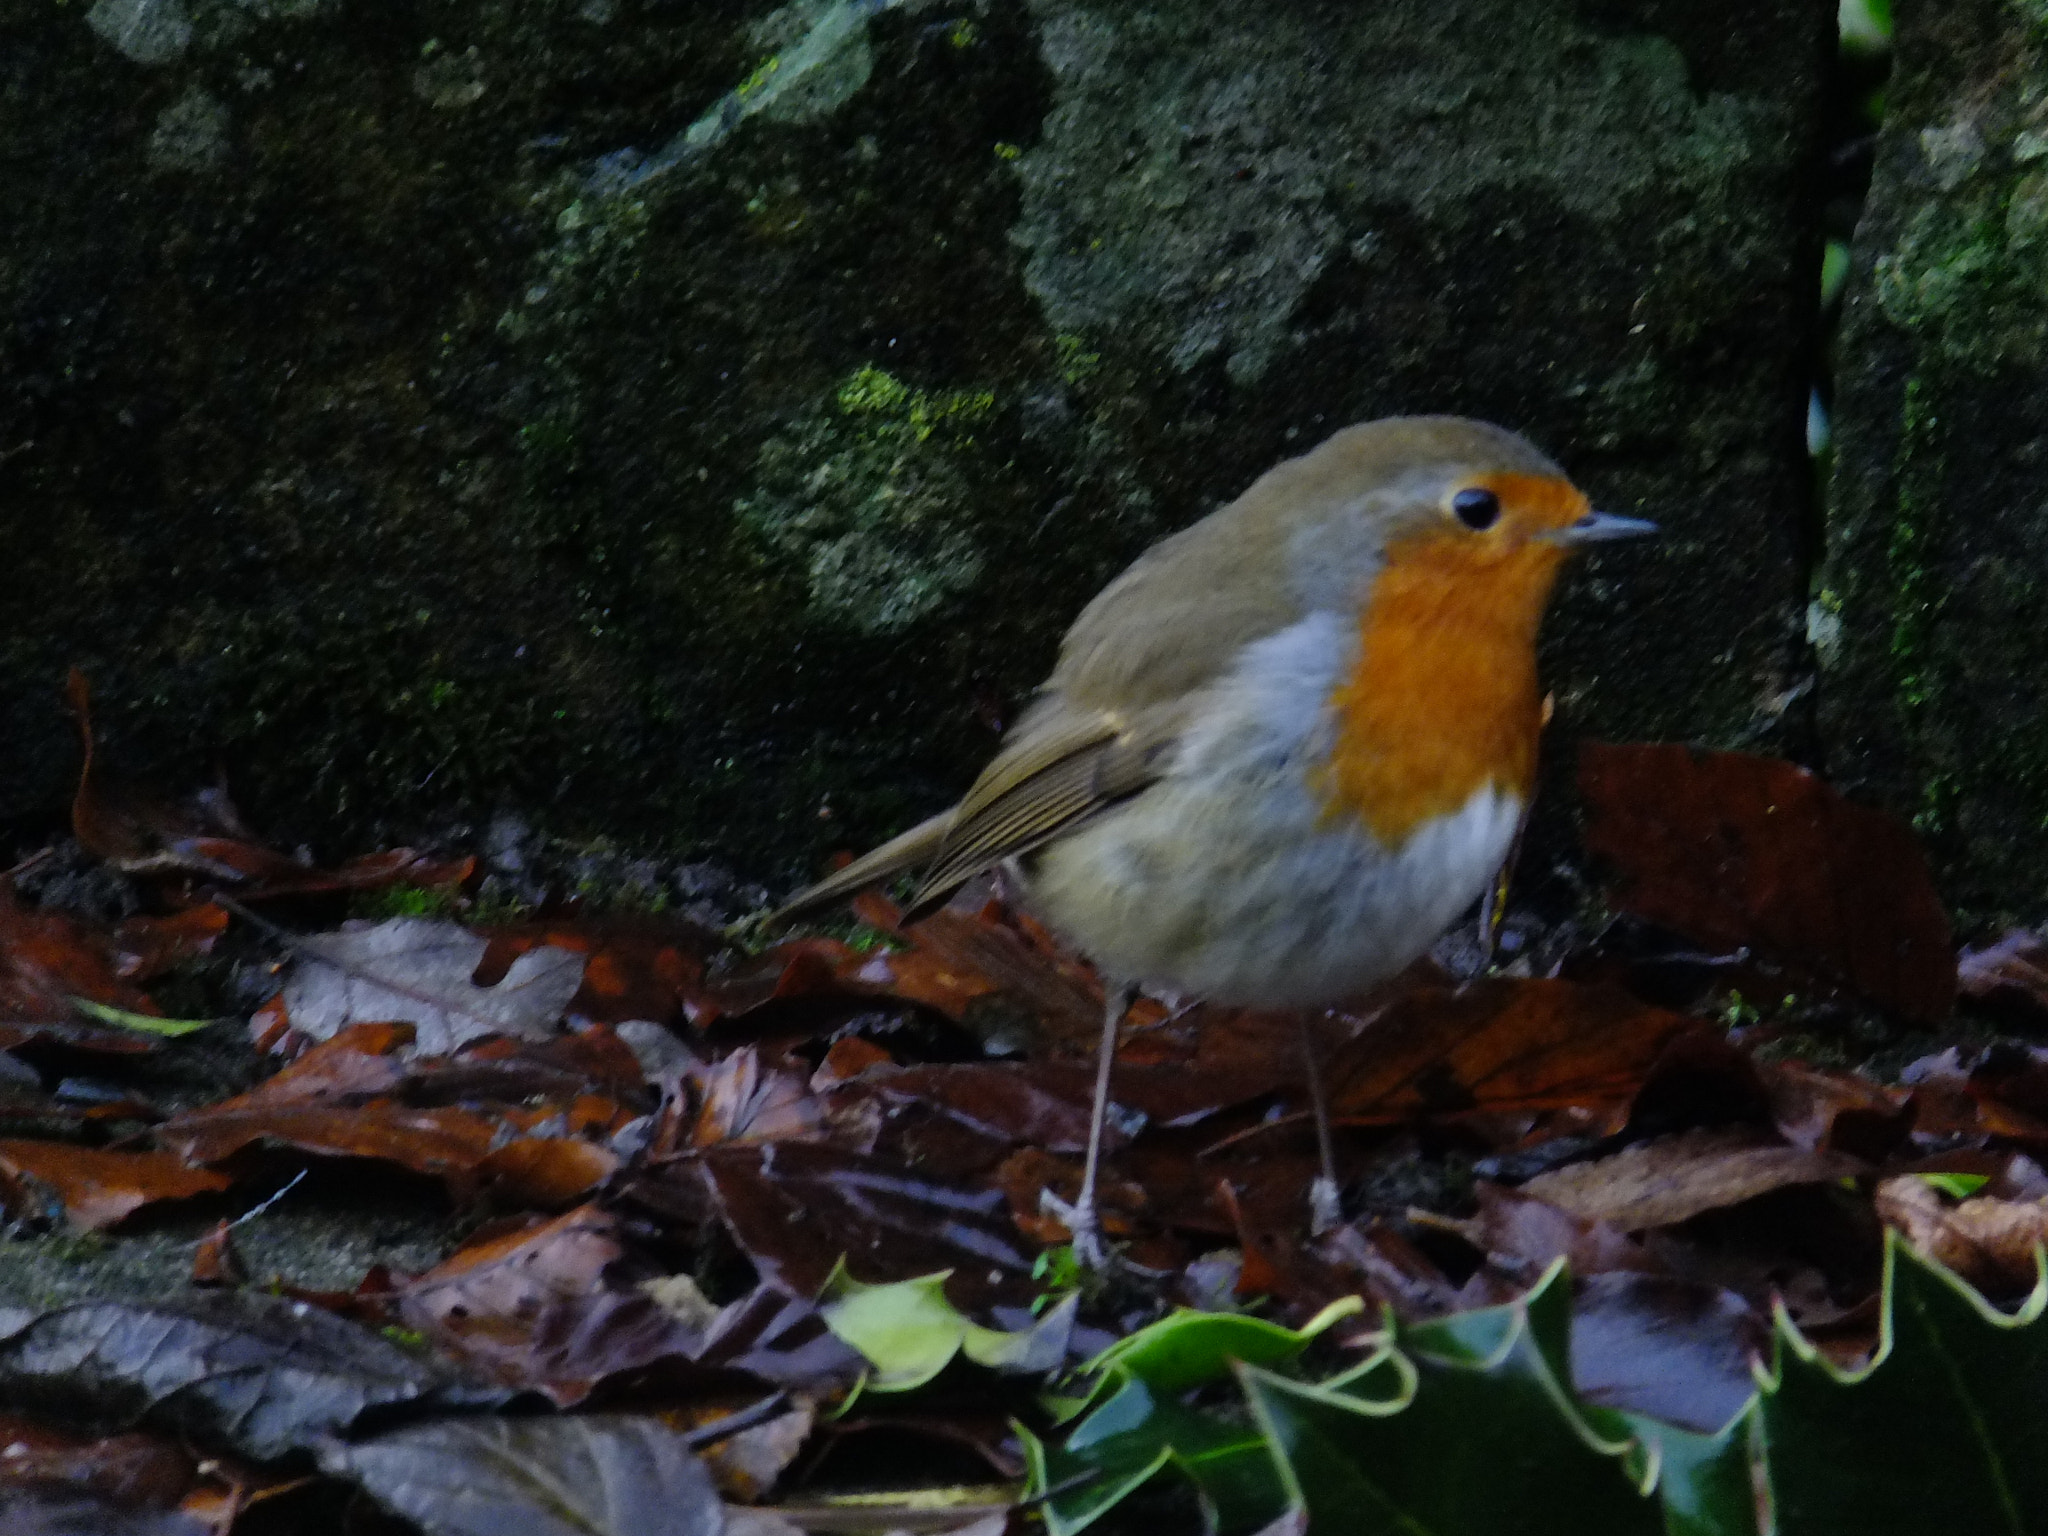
(1078,1217)
(1325,1210)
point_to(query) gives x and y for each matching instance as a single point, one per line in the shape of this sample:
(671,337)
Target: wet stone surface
(696,424)
(1926,616)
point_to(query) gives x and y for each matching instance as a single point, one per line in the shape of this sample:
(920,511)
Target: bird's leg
(1493,906)
(1080,1218)
(1323,1209)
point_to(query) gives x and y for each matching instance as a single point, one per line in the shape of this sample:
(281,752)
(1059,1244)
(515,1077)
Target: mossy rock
(1928,612)
(696,424)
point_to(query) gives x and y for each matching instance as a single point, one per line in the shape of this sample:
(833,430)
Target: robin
(1288,746)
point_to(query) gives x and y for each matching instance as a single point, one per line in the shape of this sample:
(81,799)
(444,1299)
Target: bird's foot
(1325,1211)
(1078,1217)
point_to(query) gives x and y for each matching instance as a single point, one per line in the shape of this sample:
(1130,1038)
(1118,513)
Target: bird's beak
(1597,527)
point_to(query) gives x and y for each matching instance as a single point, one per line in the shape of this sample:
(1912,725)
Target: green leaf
(1957,1186)
(1189,1349)
(1139,1429)
(1485,1436)
(1468,1426)
(909,1332)
(145,1023)
(1942,1431)
(1134,1436)
(1704,1481)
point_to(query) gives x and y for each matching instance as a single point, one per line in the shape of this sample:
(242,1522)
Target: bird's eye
(1477,508)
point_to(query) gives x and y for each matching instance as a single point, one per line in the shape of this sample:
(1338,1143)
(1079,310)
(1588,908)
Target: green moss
(402,901)
(873,495)
(1917,593)
(1968,272)
(760,77)
(1077,363)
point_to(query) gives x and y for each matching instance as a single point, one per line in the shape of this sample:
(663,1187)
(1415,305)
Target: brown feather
(911,850)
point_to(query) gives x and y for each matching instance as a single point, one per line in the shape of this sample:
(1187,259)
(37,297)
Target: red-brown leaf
(1499,1045)
(98,1188)
(1734,850)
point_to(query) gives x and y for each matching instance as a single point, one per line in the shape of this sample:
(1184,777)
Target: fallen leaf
(580,1475)
(129,1470)
(1734,850)
(1529,1233)
(797,1209)
(1989,1242)
(1657,1183)
(748,1463)
(1841,1111)
(216,1262)
(955,957)
(909,1332)
(96,1188)
(2012,971)
(49,958)
(1498,1045)
(1680,1352)
(259,1373)
(747,1101)
(445,1144)
(146,947)
(635,967)
(484,1303)
(55,1511)
(545,1172)
(418,970)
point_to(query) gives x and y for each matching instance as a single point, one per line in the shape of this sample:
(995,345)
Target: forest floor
(426,1192)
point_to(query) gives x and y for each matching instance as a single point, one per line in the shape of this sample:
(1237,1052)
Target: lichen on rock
(870,495)
(1199,172)
(147,31)
(1970,266)
(191,134)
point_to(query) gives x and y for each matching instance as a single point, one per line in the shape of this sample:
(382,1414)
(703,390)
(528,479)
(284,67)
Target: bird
(1285,749)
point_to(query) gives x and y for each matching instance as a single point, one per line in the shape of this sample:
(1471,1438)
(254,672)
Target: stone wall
(695,423)
(1931,615)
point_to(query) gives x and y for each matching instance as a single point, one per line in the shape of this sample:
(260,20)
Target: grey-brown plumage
(1105,724)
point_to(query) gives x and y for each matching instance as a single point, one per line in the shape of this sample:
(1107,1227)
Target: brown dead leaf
(1734,850)
(483,1302)
(445,1144)
(546,1172)
(134,1470)
(796,1208)
(420,970)
(1989,1242)
(146,947)
(955,957)
(97,1188)
(1657,1183)
(2013,971)
(746,1101)
(1499,1045)
(1527,1234)
(1840,1111)
(47,958)
(747,1464)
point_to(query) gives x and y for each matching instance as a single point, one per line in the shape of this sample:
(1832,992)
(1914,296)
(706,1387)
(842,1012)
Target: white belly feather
(1225,880)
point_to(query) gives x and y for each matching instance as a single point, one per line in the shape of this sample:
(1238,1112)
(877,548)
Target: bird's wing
(1062,768)
(912,850)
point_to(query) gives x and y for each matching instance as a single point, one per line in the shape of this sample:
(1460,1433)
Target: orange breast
(1444,699)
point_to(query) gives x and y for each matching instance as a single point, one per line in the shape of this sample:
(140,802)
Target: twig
(257,1210)
(733,1423)
(29,863)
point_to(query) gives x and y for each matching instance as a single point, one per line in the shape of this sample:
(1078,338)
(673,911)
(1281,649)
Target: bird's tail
(912,850)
